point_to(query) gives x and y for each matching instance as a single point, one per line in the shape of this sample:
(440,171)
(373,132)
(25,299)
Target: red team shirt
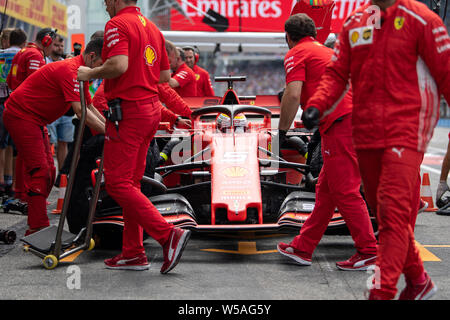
(186,78)
(391,108)
(204,86)
(144,44)
(46,95)
(172,100)
(306,62)
(100,103)
(24,63)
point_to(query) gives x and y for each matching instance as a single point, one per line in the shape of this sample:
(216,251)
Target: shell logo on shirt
(14,70)
(144,23)
(149,55)
(355,36)
(361,36)
(399,22)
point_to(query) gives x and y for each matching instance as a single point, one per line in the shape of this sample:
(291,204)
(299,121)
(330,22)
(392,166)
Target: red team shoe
(119,262)
(421,291)
(173,248)
(423,206)
(358,262)
(300,257)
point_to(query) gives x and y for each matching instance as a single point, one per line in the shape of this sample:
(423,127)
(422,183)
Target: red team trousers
(391,186)
(39,171)
(338,186)
(125,153)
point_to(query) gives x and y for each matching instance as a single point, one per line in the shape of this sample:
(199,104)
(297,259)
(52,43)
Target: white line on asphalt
(327,264)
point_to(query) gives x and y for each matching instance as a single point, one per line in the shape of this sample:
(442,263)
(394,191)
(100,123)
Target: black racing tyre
(78,209)
(150,165)
(316,162)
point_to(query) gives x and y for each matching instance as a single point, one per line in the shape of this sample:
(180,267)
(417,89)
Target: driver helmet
(223,122)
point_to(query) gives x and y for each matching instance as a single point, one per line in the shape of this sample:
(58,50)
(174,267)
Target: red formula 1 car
(221,175)
(229,175)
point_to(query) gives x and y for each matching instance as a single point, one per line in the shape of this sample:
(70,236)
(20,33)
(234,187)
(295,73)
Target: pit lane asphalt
(233,267)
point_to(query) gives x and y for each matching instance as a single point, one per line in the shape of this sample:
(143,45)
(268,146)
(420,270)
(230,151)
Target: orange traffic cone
(425,193)
(62,192)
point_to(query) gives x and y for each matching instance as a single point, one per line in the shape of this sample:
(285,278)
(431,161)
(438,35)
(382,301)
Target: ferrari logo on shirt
(197,76)
(399,22)
(142,20)
(150,55)
(361,36)
(14,70)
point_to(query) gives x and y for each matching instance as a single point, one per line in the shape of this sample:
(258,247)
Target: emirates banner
(251,15)
(342,10)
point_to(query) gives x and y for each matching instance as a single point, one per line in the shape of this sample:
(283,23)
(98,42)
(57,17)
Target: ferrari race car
(226,173)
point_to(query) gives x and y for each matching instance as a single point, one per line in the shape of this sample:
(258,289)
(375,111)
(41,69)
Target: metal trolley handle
(69,188)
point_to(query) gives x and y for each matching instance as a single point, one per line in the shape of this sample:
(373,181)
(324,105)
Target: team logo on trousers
(398,151)
(399,22)
(150,55)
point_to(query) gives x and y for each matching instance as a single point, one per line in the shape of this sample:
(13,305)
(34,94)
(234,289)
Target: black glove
(310,117)
(281,137)
(280,94)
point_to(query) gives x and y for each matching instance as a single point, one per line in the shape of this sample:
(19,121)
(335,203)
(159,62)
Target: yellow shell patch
(150,55)
(355,36)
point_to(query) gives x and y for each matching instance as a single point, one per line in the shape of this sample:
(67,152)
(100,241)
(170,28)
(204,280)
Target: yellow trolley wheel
(50,262)
(91,245)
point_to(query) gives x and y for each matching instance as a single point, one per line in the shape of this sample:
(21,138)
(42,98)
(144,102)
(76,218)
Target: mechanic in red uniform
(173,101)
(41,99)
(183,78)
(204,86)
(320,12)
(339,180)
(30,58)
(25,62)
(135,61)
(395,110)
